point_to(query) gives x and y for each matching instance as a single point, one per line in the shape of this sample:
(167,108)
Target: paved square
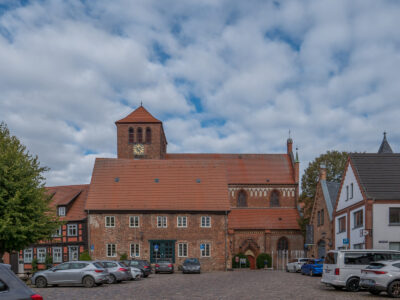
(215,285)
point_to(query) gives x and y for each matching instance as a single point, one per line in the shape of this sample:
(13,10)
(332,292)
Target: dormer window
(61,211)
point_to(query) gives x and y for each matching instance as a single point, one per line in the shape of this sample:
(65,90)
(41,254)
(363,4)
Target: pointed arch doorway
(251,258)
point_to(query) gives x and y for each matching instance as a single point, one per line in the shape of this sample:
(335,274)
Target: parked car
(191,265)
(143,265)
(135,272)
(382,276)
(295,264)
(70,273)
(164,266)
(342,268)
(12,288)
(312,267)
(118,270)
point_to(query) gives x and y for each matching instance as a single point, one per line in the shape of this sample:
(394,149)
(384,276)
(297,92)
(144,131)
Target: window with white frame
(57,254)
(205,250)
(182,250)
(182,221)
(394,215)
(28,255)
(135,250)
(205,221)
(351,190)
(58,232)
(61,211)
(41,255)
(110,221)
(162,222)
(111,250)
(134,221)
(72,229)
(358,219)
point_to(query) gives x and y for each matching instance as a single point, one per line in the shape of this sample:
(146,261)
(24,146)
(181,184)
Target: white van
(342,268)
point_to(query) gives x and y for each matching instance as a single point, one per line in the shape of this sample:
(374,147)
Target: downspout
(88,233)
(226,237)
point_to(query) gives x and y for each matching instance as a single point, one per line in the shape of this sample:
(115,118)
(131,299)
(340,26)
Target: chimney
(297,167)
(322,172)
(289,145)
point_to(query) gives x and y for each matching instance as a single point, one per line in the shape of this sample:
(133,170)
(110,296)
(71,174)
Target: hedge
(261,258)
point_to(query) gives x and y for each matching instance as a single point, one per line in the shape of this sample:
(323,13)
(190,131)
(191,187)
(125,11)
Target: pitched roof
(127,184)
(139,115)
(379,174)
(263,218)
(330,190)
(249,168)
(385,147)
(73,196)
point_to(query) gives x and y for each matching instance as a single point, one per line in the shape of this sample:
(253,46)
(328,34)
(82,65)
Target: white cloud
(327,70)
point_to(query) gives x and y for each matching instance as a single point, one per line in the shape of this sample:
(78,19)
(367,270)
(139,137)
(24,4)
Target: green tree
(335,163)
(25,214)
(123,256)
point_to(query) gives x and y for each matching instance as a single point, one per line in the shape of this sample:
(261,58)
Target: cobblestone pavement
(244,284)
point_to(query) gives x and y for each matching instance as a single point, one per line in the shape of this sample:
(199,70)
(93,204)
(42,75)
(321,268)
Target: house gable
(350,192)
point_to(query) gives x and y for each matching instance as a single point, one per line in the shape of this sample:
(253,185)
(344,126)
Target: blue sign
(345,241)
(156,248)
(202,247)
(92,247)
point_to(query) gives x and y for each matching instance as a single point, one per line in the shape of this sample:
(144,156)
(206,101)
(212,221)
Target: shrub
(123,256)
(48,261)
(85,256)
(261,258)
(237,264)
(34,265)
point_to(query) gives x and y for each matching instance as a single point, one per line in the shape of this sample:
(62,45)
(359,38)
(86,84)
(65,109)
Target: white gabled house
(367,212)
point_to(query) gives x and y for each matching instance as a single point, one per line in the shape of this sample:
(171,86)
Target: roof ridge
(139,115)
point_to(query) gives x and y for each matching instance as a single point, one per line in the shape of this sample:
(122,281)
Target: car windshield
(191,261)
(375,266)
(98,265)
(122,264)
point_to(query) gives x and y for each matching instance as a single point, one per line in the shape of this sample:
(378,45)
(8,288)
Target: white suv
(342,268)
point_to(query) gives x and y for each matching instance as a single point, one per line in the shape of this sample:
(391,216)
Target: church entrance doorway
(251,258)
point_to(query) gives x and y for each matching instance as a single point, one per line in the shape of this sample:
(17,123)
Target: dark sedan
(143,265)
(191,265)
(164,266)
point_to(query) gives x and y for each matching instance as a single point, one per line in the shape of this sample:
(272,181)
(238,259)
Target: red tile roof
(263,218)
(73,195)
(139,115)
(127,184)
(249,168)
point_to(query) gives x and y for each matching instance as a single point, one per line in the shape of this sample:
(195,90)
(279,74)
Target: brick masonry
(122,235)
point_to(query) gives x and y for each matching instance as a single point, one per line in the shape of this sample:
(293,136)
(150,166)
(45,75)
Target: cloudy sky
(224,76)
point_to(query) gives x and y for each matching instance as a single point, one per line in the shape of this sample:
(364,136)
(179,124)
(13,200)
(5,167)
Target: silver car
(382,276)
(135,272)
(78,272)
(118,270)
(296,264)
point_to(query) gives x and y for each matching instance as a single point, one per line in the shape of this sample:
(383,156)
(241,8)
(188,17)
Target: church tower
(141,136)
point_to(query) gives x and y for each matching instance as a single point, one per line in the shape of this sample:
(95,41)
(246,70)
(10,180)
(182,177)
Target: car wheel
(394,289)
(353,284)
(88,282)
(112,279)
(374,292)
(41,282)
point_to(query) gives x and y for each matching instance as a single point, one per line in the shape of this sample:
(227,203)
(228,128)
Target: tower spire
(385,147)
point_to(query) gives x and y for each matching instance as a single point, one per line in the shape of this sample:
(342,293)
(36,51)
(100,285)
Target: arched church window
(130,134)
(140,135)
(283,244)
(148,135)
(274,199)
(242,199)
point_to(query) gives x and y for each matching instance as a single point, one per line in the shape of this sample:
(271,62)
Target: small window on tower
(131,136)
(140,135)
(148,135)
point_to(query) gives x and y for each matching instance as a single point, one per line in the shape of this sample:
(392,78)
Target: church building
(152,204)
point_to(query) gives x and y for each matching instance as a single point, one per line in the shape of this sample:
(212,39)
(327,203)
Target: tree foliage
(263,259)
(335,163)
(25,213)
(85,256)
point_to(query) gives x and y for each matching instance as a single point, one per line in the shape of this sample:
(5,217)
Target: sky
(223,76)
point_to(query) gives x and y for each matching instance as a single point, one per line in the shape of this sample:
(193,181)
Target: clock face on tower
(138,149)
